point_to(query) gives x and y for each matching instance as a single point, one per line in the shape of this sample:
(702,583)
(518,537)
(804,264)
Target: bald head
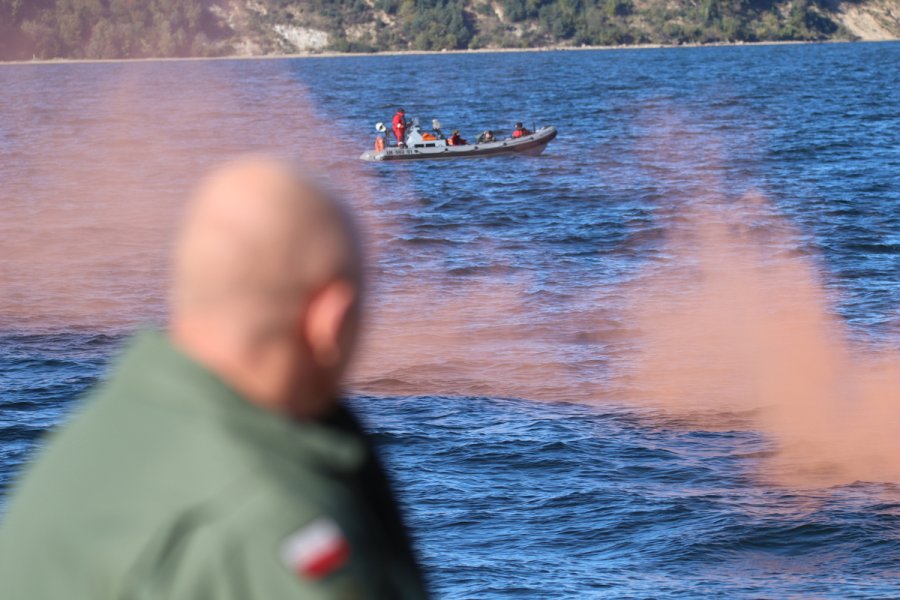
(266,286)
(257,239)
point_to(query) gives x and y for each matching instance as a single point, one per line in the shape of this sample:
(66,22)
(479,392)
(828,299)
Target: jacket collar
(168,377)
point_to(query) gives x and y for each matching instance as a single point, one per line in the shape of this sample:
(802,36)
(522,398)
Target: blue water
(508,495)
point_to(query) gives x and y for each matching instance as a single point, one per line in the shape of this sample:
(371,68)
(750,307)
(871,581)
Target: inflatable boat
(433,146)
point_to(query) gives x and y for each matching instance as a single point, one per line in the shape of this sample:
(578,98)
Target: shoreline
(329,54)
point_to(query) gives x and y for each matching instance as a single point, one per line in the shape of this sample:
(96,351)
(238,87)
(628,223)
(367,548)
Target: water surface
(587,496)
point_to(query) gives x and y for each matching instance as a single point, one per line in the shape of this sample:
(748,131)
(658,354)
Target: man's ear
(327,313)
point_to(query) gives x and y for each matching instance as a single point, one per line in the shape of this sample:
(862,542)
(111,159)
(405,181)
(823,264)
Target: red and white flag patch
(315,550)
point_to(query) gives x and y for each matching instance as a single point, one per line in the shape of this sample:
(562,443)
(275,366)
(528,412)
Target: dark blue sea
(617,370)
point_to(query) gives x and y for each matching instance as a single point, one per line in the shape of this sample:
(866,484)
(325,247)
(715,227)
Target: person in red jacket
(399,126)
(520,131)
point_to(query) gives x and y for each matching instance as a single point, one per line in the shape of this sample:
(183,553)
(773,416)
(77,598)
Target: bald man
(217,462)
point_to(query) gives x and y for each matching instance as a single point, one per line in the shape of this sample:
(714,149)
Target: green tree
(619,8)
(436,24)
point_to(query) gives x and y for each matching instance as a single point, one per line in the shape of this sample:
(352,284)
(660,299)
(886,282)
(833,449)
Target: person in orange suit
(399,127)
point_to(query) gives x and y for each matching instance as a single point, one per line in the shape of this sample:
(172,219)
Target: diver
(486,137)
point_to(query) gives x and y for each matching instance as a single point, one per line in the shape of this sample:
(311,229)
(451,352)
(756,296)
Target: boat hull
(529,145)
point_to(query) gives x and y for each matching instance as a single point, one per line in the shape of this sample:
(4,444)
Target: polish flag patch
(315,550)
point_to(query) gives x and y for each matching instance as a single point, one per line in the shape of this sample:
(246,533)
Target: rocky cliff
(126,29)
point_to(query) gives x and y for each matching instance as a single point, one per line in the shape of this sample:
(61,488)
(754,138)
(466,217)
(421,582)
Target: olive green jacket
(168,485)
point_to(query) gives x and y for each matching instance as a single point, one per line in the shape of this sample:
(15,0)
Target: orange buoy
(379,144)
